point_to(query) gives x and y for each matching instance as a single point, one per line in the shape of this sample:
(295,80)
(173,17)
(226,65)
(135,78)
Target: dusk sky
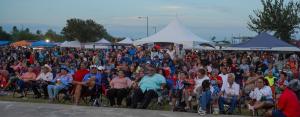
(206,18)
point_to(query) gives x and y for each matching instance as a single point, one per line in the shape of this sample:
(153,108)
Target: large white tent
(174,32)
(73,44)
(127,40)
(103,43)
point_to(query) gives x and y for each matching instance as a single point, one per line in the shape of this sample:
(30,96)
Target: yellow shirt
(271,80)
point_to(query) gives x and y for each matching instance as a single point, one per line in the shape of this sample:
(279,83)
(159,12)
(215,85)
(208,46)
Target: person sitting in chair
(88,84)
(262,95)
(24,79)
(62,81)
(148,88)
(119,88)
(229,94)
(42,81)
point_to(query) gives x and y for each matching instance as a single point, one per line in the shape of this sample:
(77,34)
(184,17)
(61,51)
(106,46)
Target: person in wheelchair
(119,89)
(62,81)
(88,86)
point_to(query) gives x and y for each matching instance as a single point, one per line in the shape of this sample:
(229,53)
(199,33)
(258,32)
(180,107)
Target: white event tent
(127,40)
(73,44)
(103,43)
(176,33)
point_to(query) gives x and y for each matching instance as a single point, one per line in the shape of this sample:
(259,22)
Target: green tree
(53,36)
(15,29)
(4,35)
(277,16)
(18,35)
(38,32)
(84,30)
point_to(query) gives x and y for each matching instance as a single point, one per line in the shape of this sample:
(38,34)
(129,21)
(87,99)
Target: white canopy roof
(103,41)
(127,40)
(174,32)
(74,44)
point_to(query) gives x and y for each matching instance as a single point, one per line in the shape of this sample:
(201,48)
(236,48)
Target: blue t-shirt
(89,75)
(65,79)
(154,82)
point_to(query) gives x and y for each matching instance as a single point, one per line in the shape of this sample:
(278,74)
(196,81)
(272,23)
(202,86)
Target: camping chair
(66,92)
(96,98)
(27,88)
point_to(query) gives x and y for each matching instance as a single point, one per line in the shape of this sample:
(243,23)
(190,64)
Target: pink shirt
(120,83)
(29,75)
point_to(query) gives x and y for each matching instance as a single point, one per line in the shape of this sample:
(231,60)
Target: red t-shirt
(289,104)
(79,74)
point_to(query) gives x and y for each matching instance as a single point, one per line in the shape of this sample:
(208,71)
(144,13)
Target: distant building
(240,39)
(295,42)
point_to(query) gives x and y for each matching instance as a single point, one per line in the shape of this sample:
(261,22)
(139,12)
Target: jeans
(204,99)
(22,84)
(232,103)
(53,90)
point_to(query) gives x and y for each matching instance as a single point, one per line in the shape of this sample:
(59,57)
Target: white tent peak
(102,41)
(174,32)
(75,44)
(127,40)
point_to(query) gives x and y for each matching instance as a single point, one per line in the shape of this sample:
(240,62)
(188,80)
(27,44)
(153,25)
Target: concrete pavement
(21,109)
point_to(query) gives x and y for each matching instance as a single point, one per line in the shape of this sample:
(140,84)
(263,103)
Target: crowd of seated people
(215,82)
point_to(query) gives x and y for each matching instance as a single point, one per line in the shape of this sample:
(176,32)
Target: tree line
(75,29)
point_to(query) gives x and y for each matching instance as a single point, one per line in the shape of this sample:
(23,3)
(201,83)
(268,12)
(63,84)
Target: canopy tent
(174,32)
(103,43)
(21,43)
(42,44)
(127,40)
(2,43)
(265,41)
(72,44)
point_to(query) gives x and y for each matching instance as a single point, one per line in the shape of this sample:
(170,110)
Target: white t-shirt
(233,90)
(47,77)
(224,78)
(198,82)
(171,53)
(263,92)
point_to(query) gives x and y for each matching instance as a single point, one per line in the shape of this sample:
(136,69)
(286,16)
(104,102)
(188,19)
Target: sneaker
(199,110)
(202,113)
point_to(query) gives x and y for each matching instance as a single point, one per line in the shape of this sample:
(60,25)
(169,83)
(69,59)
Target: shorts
(277,113)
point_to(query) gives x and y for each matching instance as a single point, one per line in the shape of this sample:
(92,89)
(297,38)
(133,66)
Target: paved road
(21,109)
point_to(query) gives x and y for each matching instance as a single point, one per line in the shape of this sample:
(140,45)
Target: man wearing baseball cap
(88,84)
(62,81)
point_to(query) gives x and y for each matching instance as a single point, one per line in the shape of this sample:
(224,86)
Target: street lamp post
(147,24)
(154,29)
